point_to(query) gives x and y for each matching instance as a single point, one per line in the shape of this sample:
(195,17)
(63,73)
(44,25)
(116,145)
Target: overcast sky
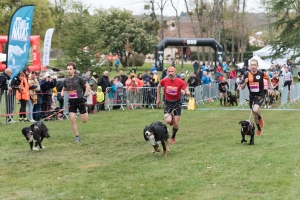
(137,6)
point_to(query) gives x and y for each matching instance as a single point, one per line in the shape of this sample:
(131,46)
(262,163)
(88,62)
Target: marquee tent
(261,63)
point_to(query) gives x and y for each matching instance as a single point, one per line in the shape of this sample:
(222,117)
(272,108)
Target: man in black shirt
(78,90)
(123,77)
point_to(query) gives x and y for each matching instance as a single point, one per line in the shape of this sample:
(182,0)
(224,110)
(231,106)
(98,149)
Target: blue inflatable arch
(159,54)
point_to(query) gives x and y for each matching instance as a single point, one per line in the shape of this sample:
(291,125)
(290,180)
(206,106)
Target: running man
(173,87)
(255,82)
(78,90)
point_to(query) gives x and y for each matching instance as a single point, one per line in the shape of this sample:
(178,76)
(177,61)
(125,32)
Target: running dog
(36,133)
(248,128)
(155,134)
(231,99)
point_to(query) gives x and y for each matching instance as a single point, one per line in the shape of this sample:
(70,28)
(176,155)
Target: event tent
(261,63)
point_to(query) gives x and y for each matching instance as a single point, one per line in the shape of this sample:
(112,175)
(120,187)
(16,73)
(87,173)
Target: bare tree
(161,7)
(199,9)
(193,25)
(177,18)
(243,31)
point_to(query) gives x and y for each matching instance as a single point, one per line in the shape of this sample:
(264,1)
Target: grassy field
(114,162)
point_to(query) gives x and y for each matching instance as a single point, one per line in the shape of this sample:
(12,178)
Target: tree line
(80,34)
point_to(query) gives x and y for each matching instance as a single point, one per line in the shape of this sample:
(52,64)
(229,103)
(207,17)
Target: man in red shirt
(173,87)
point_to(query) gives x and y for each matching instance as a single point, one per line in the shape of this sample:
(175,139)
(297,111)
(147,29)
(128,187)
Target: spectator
(199,76)
(146,75)
(123,77)
(89,101)
(206,82)
(112,93)
(299,75)
(100,98)
(46,88)
(59,86)
(222,88)
(219,73)
(103,81)
(226,69)
(193,81)
(120,91)
(117,64)
(23,96)
(132,84)
(34,87)
(94,81)
(196,67)
(156,78)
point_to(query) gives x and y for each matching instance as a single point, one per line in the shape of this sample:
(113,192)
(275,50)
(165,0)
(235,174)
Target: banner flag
(18,41)
(47,46)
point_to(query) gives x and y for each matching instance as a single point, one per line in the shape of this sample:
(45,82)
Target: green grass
(114,162)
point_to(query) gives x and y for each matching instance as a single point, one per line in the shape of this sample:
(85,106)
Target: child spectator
(100,98)
(89,101)
(112,93)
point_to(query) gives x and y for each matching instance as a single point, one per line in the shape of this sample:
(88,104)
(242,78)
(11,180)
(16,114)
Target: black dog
(36,133)
(155,134)
(231,99)
(248,128)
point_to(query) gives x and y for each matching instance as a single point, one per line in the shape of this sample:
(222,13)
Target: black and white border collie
(155,134)
(36,133)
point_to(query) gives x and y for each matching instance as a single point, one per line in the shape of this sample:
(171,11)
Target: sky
(137,6)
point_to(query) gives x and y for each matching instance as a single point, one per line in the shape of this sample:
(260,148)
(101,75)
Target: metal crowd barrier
(244,97)
(8,104)
(295,93)
(284,97)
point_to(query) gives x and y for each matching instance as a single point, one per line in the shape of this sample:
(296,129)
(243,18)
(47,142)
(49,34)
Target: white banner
(47,46)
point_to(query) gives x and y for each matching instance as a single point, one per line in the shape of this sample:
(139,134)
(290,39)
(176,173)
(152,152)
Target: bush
(139,59)
(124,61)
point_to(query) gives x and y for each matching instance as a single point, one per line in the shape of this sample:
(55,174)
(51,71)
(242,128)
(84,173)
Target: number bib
(72,94)
(287,78)
(254,87)
(171,90)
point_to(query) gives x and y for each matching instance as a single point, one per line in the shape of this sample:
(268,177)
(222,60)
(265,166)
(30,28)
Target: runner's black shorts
(256,100)
(173,107)
(77,104)
(223,90)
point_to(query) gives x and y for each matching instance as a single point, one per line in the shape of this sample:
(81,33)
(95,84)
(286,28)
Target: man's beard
(171,76)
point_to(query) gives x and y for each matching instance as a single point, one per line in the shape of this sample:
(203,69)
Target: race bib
(171,90)
(287,78)
(72,94)
(254,87)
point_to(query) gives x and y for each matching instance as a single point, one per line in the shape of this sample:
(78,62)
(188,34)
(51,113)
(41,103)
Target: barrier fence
(145,97)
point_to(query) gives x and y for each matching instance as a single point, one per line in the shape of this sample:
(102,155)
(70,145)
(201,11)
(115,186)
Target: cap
(94,73)
(132,74)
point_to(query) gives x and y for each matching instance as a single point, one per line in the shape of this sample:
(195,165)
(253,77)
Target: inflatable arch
(159,55)
(35,51)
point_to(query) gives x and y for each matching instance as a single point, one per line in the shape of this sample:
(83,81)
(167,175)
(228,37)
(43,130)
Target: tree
(42,19)
(79,40)
(286,28)
(177,18)
(119,26)
(58,9)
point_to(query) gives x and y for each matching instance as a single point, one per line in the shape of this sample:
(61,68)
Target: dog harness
(250,124)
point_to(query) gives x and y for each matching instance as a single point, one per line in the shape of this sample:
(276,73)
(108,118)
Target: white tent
(2,57)
(261,63)
(266,51)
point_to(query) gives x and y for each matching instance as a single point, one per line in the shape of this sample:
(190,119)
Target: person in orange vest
(23,96)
